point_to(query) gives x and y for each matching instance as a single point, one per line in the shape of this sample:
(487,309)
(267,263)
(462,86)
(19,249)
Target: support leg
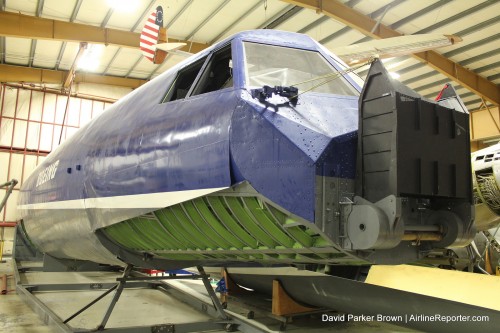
(90,304)
(117,295)
(211,293)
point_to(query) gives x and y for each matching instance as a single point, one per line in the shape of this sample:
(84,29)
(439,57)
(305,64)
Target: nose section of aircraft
(281,150)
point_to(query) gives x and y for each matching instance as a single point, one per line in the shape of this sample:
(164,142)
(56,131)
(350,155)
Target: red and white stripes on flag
(149,37)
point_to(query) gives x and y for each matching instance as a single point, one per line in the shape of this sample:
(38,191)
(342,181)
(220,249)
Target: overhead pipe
(8,224)
(10,186)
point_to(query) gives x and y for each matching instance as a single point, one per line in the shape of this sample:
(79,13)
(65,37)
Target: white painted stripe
(148,39)
(151,26)
(149,200)
(68,204)
(150,32)
(147,46)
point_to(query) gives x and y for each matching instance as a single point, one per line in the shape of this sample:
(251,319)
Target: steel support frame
(212,308)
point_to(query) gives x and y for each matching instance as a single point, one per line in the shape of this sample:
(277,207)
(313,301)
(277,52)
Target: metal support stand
(211,293)
(27,261)
(90,304)
(118,287)
(118,293)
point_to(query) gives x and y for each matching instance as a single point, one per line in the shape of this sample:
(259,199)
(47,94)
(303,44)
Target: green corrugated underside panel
(223,228)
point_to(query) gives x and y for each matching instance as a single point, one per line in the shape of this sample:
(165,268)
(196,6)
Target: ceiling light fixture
(91,57)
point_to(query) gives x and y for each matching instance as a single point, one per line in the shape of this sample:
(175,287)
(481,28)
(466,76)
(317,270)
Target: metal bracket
(211,293)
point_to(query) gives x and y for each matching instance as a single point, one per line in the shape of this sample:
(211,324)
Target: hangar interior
(62,63)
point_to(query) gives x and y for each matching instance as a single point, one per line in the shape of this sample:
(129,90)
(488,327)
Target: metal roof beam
(375,14)
(25,26)
(106,19)
(76,9)
(32,52)
(472,45)
(275,17)
(39,8)
(456,17)
(419,77)
(432,84)
(494,77)
(314,24)
(382,10)
(418,14)
(2,50)
(459,50)
(478,27)
(238,20)
(144,13)
(480,57)
(60,55)
(283,18)
(205,21)
(11,73)
(134,66)
(176,17)
(364,24)
(336,34)
(108,66)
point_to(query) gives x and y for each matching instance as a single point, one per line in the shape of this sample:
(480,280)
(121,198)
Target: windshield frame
(327,56)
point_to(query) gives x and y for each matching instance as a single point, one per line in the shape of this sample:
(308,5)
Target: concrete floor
(139,307)
(15,315)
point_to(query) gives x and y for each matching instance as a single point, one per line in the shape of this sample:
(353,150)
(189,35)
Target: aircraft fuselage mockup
(264,149)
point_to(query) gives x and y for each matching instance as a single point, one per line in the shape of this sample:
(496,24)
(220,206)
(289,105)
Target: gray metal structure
(24,252)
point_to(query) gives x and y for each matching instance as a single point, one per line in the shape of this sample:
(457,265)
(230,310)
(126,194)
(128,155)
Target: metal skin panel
(177,147)
(288,144)
(139,147)
(142,156)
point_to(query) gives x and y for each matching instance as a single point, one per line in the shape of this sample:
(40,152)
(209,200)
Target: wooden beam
(356,20)
(25,26)
(11,73)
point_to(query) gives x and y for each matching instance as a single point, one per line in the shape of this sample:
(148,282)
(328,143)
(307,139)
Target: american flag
(149,35)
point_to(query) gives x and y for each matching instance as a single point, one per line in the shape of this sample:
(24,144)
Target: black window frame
(206,60)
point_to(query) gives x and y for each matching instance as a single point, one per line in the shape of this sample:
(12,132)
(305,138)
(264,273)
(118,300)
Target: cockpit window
(183,81)
(281,66)
(218,74)
(198,78)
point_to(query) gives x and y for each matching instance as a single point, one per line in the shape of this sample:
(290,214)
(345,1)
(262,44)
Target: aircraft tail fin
(153,40)
(448,97)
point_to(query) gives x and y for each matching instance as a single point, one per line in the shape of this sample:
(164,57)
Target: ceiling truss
(25,26)
(351,18)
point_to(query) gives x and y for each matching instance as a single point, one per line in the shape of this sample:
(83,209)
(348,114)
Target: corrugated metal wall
(31,126)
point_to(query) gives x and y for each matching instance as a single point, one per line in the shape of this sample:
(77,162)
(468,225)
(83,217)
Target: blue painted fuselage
(141,154)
